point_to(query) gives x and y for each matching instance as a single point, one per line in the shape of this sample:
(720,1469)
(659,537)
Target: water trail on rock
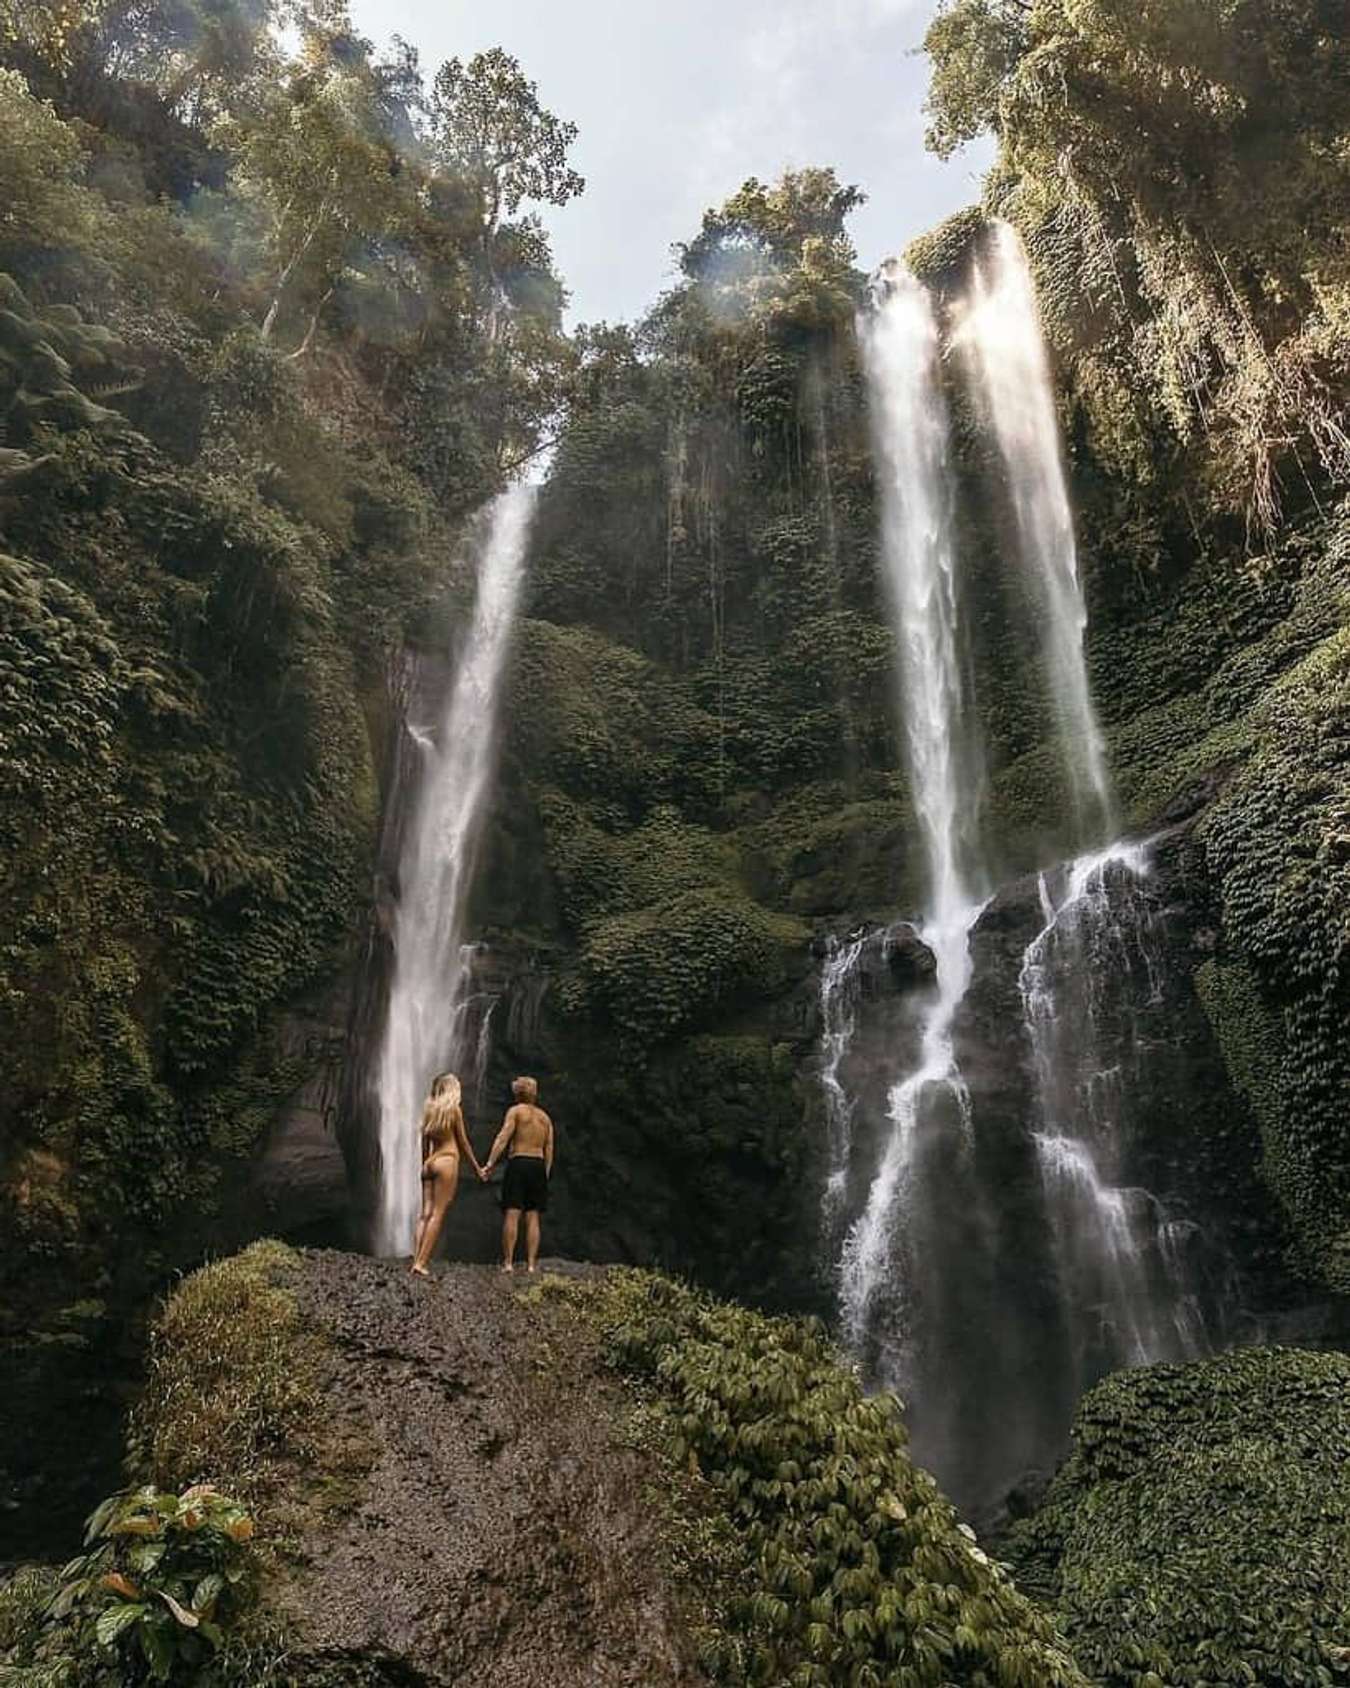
(1121,1262)
(838,1022)
(430,958)
(1001,329)
(899,338)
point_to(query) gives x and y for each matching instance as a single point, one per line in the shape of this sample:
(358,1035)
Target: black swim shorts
(526,1183)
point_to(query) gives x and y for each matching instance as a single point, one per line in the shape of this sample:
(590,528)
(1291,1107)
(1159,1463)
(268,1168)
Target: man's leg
(531,1239)
(510,1225)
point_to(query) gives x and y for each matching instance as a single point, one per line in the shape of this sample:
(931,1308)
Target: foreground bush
(843,1562)
(233,1379)
(1197,1534)
(163,1579)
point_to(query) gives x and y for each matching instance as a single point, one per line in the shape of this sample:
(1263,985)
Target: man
(526,1138)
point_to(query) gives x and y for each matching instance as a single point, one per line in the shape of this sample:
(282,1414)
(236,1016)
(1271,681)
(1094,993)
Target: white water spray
(1002,330)
(1120,1259)
(910,430)
(430,958)
(838,1020)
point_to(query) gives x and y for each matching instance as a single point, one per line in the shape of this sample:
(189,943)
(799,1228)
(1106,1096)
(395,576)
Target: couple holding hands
(525,1139)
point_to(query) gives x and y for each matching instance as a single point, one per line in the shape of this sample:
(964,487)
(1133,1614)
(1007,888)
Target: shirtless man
(526,1138)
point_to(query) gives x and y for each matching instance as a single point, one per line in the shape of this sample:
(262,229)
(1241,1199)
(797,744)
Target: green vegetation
(233,1380)
(274,318)
(172,1584)
(162,1582)
(841,1561)
(1178,171)
(1197,1533)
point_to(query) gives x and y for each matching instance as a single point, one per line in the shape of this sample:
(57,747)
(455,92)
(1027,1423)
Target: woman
(444,1139)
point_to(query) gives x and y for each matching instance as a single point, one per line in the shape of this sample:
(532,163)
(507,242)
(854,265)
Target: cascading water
(910,429)
(430,958)
(1001,329)
(1123,1282)
(838,1018)
(1002,1255)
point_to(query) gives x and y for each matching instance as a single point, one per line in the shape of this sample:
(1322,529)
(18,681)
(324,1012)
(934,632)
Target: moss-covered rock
(842,1561)
(1197,1532)
(706,1493)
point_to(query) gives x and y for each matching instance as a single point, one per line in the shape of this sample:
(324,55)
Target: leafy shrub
(165,1599)
(1196,1534)
(852,1566)
(162,1580)
(233,1378)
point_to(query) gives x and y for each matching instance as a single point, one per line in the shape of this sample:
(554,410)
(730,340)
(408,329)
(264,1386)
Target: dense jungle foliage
(1197,1532)
(272,322)
(275,319)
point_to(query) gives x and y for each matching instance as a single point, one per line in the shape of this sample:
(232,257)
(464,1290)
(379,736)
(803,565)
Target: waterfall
(1123,1280)
(900,347)
(430,957)
(998,1253)
(838,1020)
(1001,329)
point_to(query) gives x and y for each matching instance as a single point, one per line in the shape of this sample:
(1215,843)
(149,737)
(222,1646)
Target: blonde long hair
(442,1108)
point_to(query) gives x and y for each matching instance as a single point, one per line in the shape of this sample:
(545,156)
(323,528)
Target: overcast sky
(678,101)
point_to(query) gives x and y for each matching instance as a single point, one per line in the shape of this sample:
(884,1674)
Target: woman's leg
(423,1216)
(443,1193)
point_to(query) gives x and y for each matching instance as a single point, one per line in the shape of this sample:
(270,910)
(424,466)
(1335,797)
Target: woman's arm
(465,1146)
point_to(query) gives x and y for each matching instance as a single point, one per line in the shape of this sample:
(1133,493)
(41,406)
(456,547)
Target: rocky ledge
(502,1522)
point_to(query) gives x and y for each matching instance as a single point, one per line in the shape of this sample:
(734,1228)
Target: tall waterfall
(1120,1259)
(1002,331)
(983,1166)
(430,956)
(910,430)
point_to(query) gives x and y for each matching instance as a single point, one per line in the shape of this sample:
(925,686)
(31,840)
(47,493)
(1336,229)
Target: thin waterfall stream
(423,1030)
(1123,1282)
(1001,329)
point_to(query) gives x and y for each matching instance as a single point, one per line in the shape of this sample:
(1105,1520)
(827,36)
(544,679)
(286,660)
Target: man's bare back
(530,1131)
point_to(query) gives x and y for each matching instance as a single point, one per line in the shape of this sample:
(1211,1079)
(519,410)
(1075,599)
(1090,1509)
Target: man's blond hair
(525,1089)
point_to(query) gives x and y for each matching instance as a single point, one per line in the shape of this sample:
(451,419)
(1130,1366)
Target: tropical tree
(1181,169)
(489,131)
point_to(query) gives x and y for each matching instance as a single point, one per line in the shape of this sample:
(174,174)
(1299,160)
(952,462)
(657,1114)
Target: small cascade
(1001,329)
(899,338)
(1085,979)
(476,1078)
(838,1021)
(431,961)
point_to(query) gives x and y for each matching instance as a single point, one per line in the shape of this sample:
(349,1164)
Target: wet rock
(909,960)
(301,1178)
(504,1530)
